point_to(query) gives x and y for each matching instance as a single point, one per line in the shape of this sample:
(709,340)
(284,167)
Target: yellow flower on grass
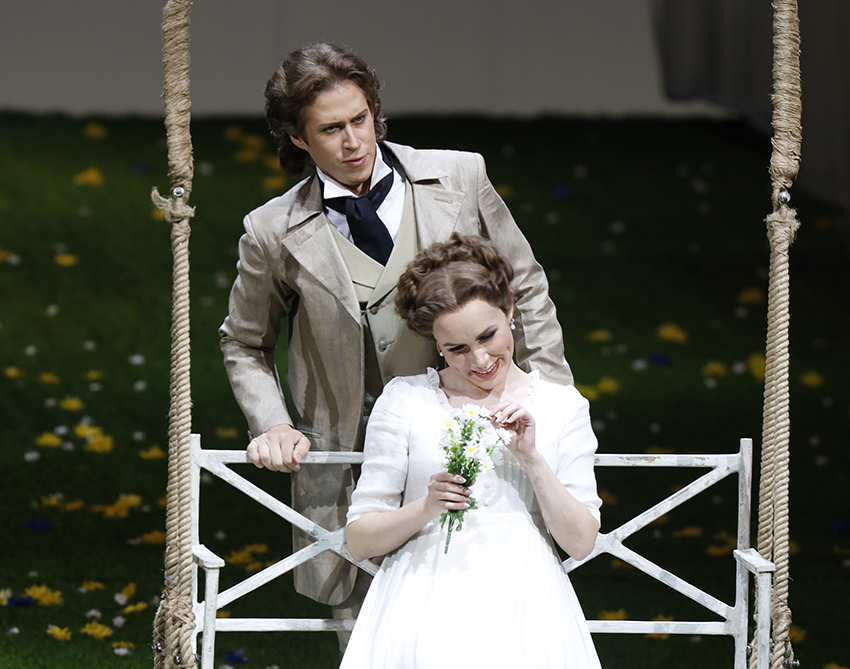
(257,548)
(100,445)
(123,644)
(5,594)
(796,634)
(153,453)
(48,378)
(59,633)
(12,373)
(233,133)
(5,255)
(660,636)
(65,259)
(588,392)
(162,501)
(688,532)
(834,665)
(714,368)
(274,183)
(87,431)
(812,380)
(49,439)
(226,433)
(94,130)
(221,613)
(246,156)
(505,191)
(621,614)
(97,630)
(134,608)
(91,586)
(93,375)
(608,385)
(155,537)
(672,332)
(273,163)
(157,214)
(72,404)
(617,563)
(253,141)
(751,296)
(254,566)
(129,590)
(658,450)
(757,363)
(90,177)
(239,557)
(727,545)
(53,500)
(607,498)
(44,595)
(598,335)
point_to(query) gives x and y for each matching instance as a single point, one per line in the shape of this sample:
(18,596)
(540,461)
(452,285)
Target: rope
(174,624)
(782,226)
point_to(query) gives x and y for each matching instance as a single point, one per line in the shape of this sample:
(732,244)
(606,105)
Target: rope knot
(174,208)
(782,226)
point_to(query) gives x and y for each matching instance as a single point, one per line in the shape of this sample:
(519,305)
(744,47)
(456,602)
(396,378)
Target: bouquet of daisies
(468,442)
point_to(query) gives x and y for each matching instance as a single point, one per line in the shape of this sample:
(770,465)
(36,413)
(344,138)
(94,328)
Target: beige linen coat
(290,266)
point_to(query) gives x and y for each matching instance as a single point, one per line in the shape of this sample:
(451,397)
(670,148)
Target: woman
(499,596)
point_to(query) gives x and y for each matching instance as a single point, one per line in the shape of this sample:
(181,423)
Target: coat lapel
(310,241)
(436,208)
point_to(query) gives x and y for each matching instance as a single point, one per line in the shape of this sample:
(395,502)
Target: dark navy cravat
(368,231)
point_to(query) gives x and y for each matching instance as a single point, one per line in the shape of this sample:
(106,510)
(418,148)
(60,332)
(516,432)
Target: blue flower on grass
(39,525)
(563,192)
(235,658)
(20,601)
(660,359)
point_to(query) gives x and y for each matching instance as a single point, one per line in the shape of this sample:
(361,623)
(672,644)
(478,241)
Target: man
(327,255)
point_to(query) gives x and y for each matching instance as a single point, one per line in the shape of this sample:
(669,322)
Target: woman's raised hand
(515,419)
(446,492)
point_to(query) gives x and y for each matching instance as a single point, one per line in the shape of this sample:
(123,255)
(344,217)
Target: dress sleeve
(385,454)
(576,450)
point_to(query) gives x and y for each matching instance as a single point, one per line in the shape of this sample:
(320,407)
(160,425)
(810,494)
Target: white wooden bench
(734,617)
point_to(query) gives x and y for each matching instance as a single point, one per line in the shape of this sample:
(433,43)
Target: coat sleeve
(249,335)
(539,341)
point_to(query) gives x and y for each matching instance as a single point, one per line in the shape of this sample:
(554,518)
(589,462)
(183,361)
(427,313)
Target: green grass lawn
(639,224)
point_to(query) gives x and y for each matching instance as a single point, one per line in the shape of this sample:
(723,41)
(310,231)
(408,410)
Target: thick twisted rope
(782,225)
(174,623)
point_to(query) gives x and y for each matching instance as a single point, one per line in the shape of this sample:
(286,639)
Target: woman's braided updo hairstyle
(447,275)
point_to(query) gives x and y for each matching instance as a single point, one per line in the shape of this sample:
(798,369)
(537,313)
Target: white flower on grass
(121,651)
(93,613)
(30,350)
(120,598)
(31,456)
(119,621)
(139,386)
(137,359)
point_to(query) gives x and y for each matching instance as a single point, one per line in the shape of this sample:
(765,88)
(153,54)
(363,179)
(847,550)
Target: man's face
(339,135)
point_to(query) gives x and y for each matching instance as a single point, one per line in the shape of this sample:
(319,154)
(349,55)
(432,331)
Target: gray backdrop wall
(570,56)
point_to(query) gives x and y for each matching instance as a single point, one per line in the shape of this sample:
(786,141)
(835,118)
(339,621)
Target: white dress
(500,597)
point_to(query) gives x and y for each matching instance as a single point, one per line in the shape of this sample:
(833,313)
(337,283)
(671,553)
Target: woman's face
(477,343)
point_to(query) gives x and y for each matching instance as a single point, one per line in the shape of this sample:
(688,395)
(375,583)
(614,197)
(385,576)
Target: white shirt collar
(332,187)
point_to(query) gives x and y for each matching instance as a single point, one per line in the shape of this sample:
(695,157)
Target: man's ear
(300,143)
